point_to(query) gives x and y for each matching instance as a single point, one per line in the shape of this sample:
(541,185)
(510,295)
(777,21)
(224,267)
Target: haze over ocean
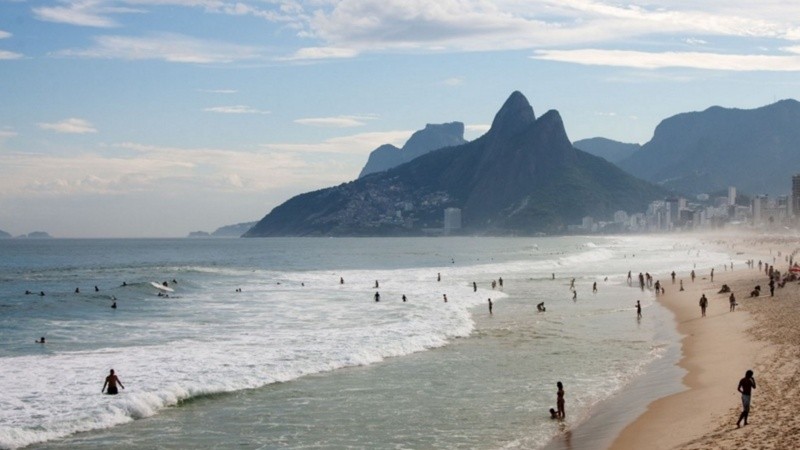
(297,359)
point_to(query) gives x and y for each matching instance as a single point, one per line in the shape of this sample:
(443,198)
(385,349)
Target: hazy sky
(158,117)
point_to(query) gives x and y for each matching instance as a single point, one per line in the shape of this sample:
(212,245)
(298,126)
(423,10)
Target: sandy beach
(762,334)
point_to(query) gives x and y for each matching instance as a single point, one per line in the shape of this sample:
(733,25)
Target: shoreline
(716,351)
(762,334)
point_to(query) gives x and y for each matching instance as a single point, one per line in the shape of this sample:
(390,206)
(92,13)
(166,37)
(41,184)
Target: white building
(452,220)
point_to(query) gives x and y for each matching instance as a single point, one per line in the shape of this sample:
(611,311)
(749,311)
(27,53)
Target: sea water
(297,359)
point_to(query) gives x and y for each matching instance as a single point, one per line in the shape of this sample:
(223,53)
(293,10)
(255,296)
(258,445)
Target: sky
(154,118)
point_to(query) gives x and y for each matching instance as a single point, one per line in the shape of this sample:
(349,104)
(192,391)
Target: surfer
(114,305)
(77,290)
(41,294)
(28,292)
(96,289)
(124,283)
(111,382)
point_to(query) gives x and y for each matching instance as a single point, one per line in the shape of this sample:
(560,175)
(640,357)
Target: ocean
(296,359)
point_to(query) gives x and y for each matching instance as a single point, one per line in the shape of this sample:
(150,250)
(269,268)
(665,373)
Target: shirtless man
(111,382)
(746,385)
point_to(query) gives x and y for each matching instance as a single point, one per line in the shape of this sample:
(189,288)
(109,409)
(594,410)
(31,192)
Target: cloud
(85,13)
(168,47)
(357,144)
(5,54)
(336,122)
(694,60)
(453,81)
(6,134)
(235,109)
(219,91)
(70,126)
(480,25)
(312,53)
(4,34)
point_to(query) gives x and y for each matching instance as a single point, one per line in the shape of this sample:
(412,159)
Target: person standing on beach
(560,410)
(111,382)
(439,276)
(692,275)
(746,385)
(772,287)
(594,287)
(712,275)
(638,310)
(732,300)
(703,304)
(673,277)
(681,289)
(490,306)
(629,278)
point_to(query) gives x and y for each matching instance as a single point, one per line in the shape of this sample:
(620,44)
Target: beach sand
(763,334)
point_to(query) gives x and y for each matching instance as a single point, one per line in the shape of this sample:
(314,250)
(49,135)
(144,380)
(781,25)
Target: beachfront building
(452,220)
(795,195)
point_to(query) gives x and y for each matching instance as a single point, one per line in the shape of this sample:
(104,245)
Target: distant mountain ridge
(432,137)
(523,176)
(608,149)
(4,235)
(756,150)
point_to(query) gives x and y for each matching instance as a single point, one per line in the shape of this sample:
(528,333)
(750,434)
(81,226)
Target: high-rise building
(452,220)
(796,194)
(731,195)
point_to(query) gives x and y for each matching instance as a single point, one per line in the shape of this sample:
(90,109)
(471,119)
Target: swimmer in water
(111,382)
(41,340)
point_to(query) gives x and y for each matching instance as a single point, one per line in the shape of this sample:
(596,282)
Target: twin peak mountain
(522,177)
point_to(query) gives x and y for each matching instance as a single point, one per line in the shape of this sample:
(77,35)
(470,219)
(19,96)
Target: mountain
(4,235)
(432,137)
(756,150)
(611,151)
(36,235)
(236,230)
(523,176)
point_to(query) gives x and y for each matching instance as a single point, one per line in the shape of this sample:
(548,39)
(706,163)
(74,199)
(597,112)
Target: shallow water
(298,360)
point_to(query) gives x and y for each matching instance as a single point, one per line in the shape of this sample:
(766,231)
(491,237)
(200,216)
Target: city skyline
(155,118)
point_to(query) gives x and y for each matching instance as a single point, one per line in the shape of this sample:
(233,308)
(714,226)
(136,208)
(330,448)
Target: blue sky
(140,118)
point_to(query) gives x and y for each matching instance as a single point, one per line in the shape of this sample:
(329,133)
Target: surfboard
(161,287)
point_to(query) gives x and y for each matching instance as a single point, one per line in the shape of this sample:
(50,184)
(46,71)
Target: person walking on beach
(111,382)
(560,410)
(732,300)
(746,385)
(490,306)
(703,304)
(638,310)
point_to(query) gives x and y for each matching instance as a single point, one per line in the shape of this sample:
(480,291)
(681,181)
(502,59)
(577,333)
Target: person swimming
(540,307)
(41,340)
(111,382)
